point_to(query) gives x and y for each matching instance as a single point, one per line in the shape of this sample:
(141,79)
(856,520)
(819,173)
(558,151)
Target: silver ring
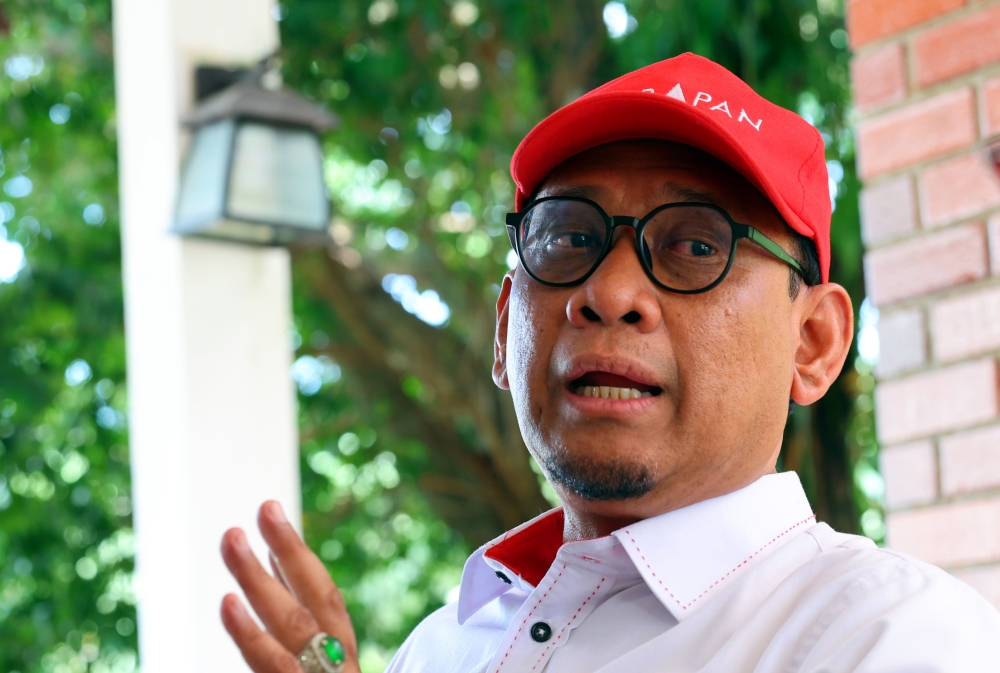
(322,654)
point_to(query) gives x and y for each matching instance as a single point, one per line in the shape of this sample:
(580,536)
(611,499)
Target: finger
(261,651)
(276,570)
(283,616)
(306,575)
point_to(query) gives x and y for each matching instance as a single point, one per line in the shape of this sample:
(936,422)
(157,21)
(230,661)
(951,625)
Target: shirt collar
(521,557)
(687,554)
(683,555)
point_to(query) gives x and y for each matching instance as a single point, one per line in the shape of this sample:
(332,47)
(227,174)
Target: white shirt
(744,582)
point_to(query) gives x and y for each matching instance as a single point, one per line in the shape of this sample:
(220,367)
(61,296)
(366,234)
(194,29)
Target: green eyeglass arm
(773,248)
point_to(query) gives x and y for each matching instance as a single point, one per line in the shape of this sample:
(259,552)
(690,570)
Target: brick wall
(926,77)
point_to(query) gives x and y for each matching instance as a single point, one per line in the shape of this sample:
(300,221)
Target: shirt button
(540,632)
(503,577)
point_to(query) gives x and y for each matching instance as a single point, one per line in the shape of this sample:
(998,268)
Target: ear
(500,341)
(825,331)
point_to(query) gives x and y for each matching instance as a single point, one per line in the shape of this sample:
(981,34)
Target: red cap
(691,100)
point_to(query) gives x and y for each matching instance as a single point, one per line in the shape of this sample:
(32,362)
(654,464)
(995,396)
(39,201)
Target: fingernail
(240,542)
(277,513)
(235,606)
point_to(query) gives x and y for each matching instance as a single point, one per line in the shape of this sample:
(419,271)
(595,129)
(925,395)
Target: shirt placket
(561,602)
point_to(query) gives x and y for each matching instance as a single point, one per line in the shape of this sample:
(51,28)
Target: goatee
(593,480)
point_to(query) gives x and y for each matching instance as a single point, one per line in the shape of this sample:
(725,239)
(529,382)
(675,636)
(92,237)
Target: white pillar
(212,407)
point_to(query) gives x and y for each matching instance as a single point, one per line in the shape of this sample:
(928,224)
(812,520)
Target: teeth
(611,392)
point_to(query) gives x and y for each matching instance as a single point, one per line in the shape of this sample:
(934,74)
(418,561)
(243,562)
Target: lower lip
(605,406)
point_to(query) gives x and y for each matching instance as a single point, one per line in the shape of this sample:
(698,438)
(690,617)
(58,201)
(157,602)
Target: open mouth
(611,386)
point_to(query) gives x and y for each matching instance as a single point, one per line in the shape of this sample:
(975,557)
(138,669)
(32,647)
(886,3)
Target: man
(672,299)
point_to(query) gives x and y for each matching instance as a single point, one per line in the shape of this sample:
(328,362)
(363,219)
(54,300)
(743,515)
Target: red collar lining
(530,551)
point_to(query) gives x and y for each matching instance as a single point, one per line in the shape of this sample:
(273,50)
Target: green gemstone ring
(322,654)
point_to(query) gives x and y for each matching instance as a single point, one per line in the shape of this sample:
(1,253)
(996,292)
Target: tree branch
(381,345)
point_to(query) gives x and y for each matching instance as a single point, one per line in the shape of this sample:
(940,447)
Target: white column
(212,407)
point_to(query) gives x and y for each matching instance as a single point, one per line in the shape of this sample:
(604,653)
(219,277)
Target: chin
(620,477)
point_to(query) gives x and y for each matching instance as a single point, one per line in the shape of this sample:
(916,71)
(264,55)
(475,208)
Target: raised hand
(295,604)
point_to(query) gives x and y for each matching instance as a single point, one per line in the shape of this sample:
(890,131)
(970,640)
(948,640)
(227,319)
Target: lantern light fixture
(254,169)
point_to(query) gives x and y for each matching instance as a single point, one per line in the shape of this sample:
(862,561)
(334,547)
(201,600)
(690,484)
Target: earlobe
(825,332)
(500,341)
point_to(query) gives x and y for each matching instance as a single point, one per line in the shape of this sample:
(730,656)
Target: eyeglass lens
(686,247)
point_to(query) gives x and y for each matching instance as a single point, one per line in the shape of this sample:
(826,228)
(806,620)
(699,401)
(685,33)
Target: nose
(618,292)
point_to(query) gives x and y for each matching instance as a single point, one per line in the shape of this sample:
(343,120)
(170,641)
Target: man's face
(719,364)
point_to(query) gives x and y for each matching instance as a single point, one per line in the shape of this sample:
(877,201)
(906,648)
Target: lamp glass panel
(277,177)
(203,181)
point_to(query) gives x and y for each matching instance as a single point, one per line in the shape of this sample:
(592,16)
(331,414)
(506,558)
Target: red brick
(958,47)
(888,210)
(869,20)
(991,104)
(957,189)
(925,264)
(879,77)
(910,472)
(985,580)
(921,131)
(966,325)
(948,535)
(970,461)
(902,344)
(937,401)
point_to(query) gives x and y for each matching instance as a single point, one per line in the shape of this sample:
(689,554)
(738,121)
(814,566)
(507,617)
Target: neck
(582,525)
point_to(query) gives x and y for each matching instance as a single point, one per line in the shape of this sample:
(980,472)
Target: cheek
(532,327)
(738,351)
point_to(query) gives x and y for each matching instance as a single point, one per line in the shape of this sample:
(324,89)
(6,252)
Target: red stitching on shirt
(650,567)
(563,630)
(738,566)
(535,607)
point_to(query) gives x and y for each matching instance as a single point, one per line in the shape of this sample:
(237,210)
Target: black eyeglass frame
(514,220)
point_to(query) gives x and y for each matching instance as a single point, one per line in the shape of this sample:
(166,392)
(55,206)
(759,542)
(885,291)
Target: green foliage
(66,595)
(364,514)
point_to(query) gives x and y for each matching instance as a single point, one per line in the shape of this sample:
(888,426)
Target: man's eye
(693,248)
(571,240)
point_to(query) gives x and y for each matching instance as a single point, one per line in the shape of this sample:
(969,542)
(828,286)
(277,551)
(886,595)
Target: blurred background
(409,457)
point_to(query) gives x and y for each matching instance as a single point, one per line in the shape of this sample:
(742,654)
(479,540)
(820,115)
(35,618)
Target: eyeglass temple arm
(512,235)
(512,220)
(772,247)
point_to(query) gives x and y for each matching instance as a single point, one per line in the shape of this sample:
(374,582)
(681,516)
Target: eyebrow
(672,193)
(683,194)
(579,191)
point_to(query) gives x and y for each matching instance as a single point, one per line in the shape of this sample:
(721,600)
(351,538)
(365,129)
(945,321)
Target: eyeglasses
(684,247)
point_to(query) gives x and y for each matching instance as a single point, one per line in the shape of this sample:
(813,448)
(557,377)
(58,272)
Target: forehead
(648,173)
